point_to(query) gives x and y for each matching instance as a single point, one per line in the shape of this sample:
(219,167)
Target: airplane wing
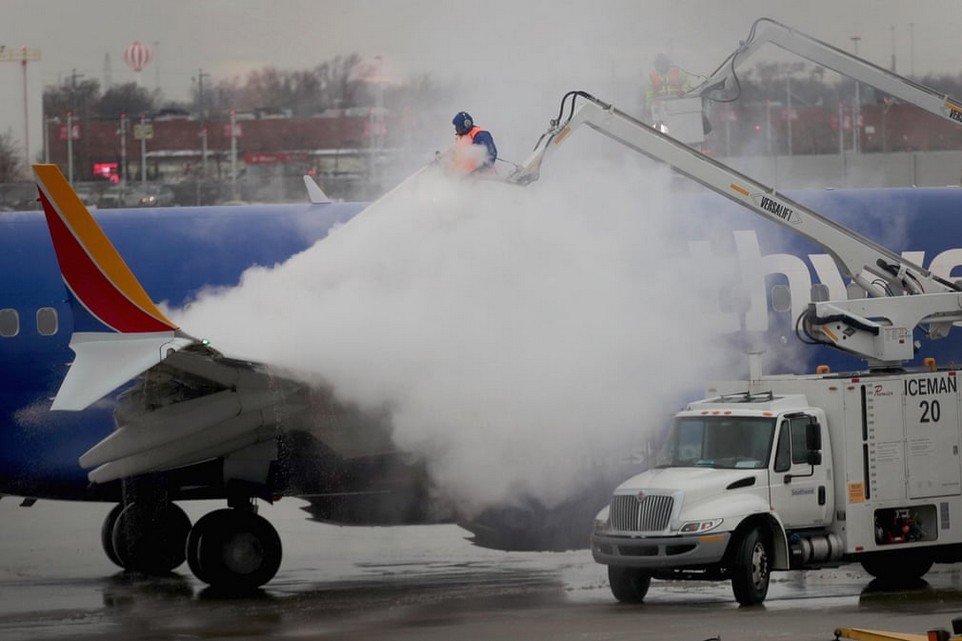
(183,402)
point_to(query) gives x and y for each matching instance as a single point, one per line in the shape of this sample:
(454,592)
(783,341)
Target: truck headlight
(697,527)
(601,520)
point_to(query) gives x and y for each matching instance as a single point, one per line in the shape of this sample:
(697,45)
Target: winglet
(317,195)
(118,330)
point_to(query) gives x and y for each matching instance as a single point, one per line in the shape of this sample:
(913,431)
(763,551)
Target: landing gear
(107,534)
(231,549)
(234,549)
(148,539)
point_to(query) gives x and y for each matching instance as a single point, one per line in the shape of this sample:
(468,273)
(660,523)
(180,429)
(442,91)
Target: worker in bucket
(474,148)
(666,80)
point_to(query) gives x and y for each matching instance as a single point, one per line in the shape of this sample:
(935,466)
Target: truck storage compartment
(906,524)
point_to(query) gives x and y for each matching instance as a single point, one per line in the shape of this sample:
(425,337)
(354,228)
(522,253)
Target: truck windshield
(719,441)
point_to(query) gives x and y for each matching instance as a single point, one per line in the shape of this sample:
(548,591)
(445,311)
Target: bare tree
(10,158)
(127,98)
(79,97)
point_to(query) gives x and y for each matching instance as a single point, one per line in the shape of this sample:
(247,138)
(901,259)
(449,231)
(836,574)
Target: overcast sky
(230,37)
(498,47)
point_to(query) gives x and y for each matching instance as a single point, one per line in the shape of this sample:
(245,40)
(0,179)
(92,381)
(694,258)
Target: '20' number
(931,411)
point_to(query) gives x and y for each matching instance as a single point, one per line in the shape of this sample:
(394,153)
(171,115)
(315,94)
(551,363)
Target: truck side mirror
(813,437)
(813,443)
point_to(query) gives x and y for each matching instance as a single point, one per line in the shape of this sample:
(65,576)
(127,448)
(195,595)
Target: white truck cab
(734,473)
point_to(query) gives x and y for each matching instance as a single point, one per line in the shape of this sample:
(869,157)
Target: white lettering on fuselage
(753,269)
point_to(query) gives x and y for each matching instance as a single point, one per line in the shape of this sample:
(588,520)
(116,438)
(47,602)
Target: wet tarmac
(412,583)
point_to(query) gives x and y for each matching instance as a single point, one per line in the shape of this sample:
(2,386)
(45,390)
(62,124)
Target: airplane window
(9,323)
(47,321)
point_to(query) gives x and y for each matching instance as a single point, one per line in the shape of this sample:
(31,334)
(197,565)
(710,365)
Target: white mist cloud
(520,335)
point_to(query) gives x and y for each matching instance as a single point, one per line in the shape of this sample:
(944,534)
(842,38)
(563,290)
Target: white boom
(903,295)
(826,55)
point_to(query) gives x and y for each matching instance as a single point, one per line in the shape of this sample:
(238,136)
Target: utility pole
(233,155)
(70,147)
(857,111)
(73,89)
(70,116)
(202,179)
(143,150)
(23,55)
(893,48)
(157,66)
(123,159)
(201,106)
(46,145)
(47,121)
(203,156)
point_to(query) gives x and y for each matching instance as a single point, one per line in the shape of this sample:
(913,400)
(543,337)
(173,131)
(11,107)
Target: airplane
(106,399)
(211,422)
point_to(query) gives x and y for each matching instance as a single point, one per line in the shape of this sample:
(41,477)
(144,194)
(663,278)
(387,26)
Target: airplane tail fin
(314,191)
(118,330)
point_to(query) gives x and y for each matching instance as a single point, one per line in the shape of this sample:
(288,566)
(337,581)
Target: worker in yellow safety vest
(665,81)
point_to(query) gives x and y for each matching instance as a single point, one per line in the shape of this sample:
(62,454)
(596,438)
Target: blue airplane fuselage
(177,252)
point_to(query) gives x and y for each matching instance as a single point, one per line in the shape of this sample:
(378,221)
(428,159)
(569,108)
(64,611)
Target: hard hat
(462,122)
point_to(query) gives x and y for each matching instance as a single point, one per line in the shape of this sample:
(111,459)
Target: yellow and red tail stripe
(92,269)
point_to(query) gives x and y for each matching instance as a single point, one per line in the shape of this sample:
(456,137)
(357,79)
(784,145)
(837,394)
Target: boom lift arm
(902,295)
(824,54)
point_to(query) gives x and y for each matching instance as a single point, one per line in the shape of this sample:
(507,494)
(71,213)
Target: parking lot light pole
(143,150)
(47,121)
(123,157)
(70,147)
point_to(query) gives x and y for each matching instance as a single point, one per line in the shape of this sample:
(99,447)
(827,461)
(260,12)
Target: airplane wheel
(107,534)
(194,543)
(234,549)
(150,543)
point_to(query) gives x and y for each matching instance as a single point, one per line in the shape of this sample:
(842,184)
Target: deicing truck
(797,471)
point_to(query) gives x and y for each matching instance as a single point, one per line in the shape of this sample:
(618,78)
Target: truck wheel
(629,585)
(752,568)
(897,569)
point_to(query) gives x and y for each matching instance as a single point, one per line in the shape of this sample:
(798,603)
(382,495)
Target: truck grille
(649,513)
